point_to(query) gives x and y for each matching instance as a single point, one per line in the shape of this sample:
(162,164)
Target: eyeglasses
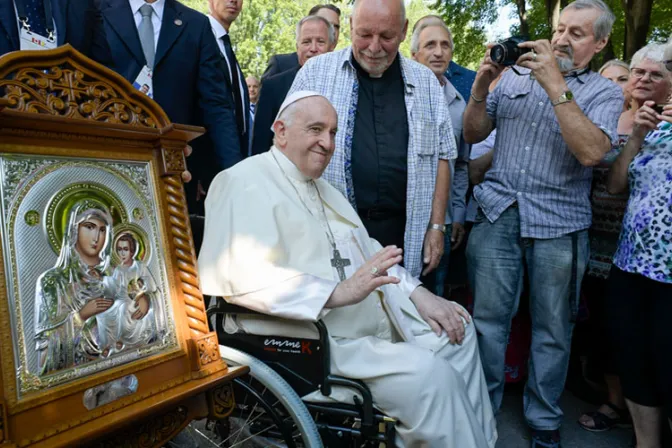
(668,65)
(639,73)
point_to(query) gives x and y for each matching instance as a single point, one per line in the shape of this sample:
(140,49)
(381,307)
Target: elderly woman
(640,281)
(608,213)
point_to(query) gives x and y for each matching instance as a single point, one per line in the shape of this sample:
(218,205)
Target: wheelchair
(268,409)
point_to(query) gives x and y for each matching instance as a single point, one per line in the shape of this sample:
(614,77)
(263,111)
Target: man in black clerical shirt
(394,133)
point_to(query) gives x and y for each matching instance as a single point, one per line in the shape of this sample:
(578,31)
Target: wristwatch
(566,97)
(440,227)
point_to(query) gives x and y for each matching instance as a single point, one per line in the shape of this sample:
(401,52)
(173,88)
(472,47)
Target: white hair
(330,28)
(604,23)
(652,52)
(426,23)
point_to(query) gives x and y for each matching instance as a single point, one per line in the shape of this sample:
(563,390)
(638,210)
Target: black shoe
(545,439)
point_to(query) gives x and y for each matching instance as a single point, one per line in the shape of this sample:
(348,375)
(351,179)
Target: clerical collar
(393,71)
(288,166)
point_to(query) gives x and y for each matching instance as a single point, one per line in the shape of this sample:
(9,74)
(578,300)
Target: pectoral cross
(339,263)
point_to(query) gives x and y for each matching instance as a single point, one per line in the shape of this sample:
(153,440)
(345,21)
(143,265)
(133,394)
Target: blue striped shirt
(532,164)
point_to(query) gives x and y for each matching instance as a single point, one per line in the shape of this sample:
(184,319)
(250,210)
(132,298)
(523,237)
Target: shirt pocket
(514,101)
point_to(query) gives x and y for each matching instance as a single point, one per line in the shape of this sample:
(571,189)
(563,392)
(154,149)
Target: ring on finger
(374,271)
(534,55)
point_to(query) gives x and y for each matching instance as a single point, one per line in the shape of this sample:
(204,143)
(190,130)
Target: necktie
(36,17)
(146,32)
(235,82)
(252,108)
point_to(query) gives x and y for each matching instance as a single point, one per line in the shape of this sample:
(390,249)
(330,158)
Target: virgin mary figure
(73,298)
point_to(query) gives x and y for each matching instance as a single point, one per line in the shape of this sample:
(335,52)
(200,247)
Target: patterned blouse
(645,244)
(608,211)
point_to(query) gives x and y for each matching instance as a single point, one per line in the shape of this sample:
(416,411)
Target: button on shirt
(532,164)
(157,16)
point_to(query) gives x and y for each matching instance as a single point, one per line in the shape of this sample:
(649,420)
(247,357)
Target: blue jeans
(496,255)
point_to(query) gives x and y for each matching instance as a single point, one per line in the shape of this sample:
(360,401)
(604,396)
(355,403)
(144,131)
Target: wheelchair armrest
(221,306)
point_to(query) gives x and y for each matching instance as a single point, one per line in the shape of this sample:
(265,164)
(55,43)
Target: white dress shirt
(219,31)
(157,17)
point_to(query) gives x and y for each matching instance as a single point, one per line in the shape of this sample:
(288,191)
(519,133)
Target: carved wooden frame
(58,102)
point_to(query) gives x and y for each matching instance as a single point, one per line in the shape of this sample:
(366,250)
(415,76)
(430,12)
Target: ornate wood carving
(63,82)
(221,401)
(173,159)
(184,252)
(150,433)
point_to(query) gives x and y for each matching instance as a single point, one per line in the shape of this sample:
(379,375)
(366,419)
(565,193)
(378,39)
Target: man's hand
(441,314)
(544,66)
(186,175)
(486,73)
(433,250)
(457,235)
(371,275)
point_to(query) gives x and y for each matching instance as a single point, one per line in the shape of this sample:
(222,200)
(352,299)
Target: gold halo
(59,206)
(144,250)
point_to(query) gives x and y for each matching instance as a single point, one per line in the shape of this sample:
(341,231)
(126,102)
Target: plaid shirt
(430,135)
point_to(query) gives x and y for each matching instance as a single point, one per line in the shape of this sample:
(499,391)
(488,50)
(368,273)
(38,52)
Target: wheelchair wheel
(268,412)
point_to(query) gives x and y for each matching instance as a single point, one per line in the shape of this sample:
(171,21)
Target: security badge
(144,82)
(35,41)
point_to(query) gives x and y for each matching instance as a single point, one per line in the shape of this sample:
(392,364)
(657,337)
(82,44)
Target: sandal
(602,422)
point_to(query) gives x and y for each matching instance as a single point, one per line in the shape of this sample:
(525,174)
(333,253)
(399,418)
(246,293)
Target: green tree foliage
(468,20)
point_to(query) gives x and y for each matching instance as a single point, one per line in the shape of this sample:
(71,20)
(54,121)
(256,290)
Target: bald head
(377,28)
(252,88)
(305,131)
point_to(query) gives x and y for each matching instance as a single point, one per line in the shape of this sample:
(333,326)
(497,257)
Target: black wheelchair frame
(305,365)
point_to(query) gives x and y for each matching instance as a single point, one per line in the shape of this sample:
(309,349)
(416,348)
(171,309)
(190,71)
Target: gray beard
(565,64)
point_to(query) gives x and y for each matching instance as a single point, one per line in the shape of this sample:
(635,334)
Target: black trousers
(640,323)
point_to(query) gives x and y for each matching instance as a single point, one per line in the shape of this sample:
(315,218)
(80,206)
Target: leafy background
(267,27)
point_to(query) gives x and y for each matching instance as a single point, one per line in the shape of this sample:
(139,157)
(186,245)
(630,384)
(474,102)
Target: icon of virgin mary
(75,298)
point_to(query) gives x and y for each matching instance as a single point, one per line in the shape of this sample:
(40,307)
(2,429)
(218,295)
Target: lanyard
(48,15)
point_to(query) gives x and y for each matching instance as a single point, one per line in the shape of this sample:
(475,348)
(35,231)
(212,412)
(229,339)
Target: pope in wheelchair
(281,241)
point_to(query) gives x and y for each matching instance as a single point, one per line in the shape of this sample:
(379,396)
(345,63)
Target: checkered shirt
(430,135)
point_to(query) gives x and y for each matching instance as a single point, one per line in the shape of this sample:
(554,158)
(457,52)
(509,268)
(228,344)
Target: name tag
(34,41)
(144,82)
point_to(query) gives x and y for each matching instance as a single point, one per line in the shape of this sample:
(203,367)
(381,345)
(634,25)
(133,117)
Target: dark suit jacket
(78,23)
(273,93)
(188,79)
(280,63)
(243,133)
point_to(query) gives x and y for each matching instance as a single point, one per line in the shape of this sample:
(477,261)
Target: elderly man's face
(573,42)
(434,50)
(309,139)
(335,21)
(253,88)
(313,40)
(377,31)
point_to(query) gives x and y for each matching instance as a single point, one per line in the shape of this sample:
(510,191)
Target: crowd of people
(354,181)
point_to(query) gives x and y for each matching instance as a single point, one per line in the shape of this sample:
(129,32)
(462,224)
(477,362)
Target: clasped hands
(440,315)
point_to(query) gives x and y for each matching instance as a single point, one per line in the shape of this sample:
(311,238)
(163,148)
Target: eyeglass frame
(653,76)
(668,65)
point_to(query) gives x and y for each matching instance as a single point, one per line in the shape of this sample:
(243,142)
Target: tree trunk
(553,13)
(637,20)
(522,15)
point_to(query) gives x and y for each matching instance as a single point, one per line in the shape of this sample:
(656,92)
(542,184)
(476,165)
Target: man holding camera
(555,119)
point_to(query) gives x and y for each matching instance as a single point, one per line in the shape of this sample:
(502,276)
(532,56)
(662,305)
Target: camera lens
(498,53)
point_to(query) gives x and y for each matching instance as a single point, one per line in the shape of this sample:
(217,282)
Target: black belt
(380,214)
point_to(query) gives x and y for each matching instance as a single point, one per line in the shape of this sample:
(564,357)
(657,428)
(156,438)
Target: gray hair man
(315,35)
(555,119)
(432,46)
(302,254)
(392,156)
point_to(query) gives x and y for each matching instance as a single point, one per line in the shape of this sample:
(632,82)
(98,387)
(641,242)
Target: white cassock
(264,250)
